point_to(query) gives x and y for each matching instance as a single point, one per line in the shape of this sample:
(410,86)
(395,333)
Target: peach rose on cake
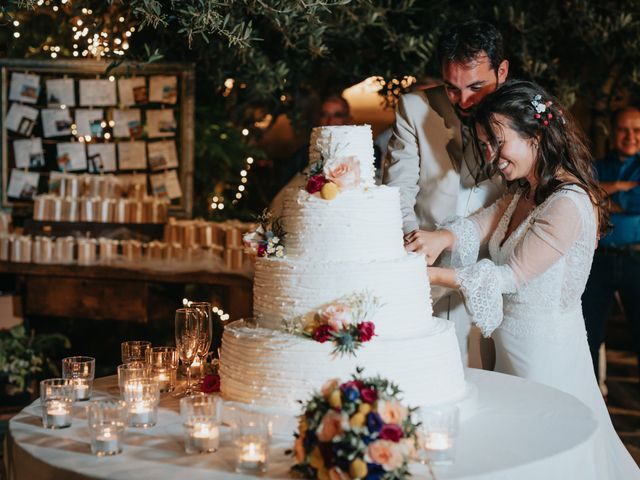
(386,453)
(333,424)
(329,386)
(392,411)
(343,171)
(337,316)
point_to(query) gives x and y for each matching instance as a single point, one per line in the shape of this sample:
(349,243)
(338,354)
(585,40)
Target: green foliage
(24,357)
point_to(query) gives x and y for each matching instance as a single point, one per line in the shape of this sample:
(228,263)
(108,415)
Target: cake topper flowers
(333,173)
(355,429)
(345,322)
(267,239)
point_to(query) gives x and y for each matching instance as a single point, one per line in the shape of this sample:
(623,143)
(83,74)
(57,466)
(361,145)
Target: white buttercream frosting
(271,368)
(358,225)
(345,141)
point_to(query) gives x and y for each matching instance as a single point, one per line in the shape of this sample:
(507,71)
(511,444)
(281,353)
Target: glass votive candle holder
(56,400)
(132,371)
(163,362)
(81,370)
(107,420)
(250,433)
(201,420)
(134,350)
(439,431)
(142,397)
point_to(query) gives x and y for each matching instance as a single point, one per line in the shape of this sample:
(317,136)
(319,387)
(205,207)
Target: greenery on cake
(268,239)
(355,429)
(345,322)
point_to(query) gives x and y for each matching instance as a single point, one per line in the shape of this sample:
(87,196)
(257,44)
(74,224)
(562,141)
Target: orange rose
(392,411)
(386,453)
(333,424)
(329,386)
(343,171)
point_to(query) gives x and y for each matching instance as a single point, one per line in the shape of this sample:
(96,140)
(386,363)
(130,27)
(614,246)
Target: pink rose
(343,171)
(322,333)
(392,432)
(367,331)
(315,183)
(298,449)
(211,383)
(338,316)
(392,411)
(333,424)
(368,395)
(329,386)
(387,454)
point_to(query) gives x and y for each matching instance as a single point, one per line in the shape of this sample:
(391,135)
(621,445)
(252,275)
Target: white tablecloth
(522,430)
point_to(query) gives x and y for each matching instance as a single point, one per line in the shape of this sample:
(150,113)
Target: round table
(521,430)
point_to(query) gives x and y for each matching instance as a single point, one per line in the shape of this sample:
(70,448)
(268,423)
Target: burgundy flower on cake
(315,183)
(345,322)
(210,383)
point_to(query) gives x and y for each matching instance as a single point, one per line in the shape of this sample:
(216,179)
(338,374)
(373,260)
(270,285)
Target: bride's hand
(443,277)
(430,244)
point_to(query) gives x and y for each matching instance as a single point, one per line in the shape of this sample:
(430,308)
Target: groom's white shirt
(431,160)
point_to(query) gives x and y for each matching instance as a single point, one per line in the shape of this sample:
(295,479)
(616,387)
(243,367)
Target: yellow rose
(329,386)
(357,420)
(364,408)
(358,469)
(329,191)
(335,399)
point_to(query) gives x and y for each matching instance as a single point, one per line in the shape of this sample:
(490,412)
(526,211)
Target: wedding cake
(335,289)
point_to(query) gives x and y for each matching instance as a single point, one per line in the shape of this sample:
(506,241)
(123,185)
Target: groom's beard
(464,114)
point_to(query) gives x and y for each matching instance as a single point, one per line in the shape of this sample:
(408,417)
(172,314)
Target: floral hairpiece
(543,110)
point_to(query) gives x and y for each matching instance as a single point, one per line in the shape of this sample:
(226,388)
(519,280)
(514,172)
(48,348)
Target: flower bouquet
(332,174)
(356,429)
(267,239)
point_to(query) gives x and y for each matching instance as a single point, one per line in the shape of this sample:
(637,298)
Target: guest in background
(334,110)
(616,264)
(431,157)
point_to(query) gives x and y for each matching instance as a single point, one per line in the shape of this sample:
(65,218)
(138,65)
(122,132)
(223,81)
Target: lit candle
(58,415)
(164,380)
(81,389)
(140,415)
(438,441)
(203,438)
(253,456)
(108,442)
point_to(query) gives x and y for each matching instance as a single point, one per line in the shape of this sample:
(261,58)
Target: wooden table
(115,293)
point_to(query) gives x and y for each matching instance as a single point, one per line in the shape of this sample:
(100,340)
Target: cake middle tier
(285,289)
(360,224)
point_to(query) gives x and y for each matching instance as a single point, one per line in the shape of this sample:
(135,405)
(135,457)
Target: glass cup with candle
(142,396)
(187,330)
(132,371)
(134,350)
(250,434)
(81,370)
(200,417)
(163,362)
(107,420)
(56,399)
(439,430)
(203,310)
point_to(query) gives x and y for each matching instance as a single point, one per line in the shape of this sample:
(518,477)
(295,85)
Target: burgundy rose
(210,383)
(367,331)
(262,250)
(322,333)
(368,395)
(315,183)
(357,384)
(391,431)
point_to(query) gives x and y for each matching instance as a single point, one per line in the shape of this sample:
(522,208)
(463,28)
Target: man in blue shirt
(616,264)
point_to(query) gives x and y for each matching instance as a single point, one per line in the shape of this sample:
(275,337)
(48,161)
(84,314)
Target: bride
(541,238)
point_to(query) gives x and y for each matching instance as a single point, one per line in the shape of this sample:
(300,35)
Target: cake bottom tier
(271,368)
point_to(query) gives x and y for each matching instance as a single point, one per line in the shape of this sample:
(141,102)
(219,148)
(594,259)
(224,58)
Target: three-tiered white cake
(334,248)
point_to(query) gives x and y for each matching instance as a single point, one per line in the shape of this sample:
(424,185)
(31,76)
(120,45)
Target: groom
(431,157)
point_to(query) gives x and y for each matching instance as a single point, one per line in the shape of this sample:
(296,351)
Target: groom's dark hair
(461,42)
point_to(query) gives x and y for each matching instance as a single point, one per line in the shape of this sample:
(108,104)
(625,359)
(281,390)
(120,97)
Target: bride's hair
(562,148)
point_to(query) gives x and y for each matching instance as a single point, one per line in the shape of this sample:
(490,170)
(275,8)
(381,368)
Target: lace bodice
(536,276)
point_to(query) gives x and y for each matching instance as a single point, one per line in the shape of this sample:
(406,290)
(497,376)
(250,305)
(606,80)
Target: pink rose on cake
(343,171)
(337,316)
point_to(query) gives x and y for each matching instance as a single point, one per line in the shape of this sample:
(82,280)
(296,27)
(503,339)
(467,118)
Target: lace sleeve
(482,285)
(465,250)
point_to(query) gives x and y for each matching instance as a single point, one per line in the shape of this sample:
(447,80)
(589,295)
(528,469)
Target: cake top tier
(353,142)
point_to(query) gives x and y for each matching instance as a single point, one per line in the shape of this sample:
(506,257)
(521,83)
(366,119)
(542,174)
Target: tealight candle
(107,442)
(252,456)
(140,415)
(81,390)
(202,438)
(438,441)
(58,415)
(56,399)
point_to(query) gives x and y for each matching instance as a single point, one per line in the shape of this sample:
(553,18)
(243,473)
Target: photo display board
(74,116)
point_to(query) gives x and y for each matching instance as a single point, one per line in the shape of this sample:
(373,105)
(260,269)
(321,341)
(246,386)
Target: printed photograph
(163,89)
(21,119)
(60,91)
(24,88)
(133,91)
(23,185)
(56,122)
(28,153)
(97,93)
(162,154)
(161,123)
(71,156)
(127,123)
(132,156)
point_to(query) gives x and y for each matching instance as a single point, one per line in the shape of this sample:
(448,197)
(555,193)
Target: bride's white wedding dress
(528,298)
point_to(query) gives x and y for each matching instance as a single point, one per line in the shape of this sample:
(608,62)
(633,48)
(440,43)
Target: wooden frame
(185,107)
